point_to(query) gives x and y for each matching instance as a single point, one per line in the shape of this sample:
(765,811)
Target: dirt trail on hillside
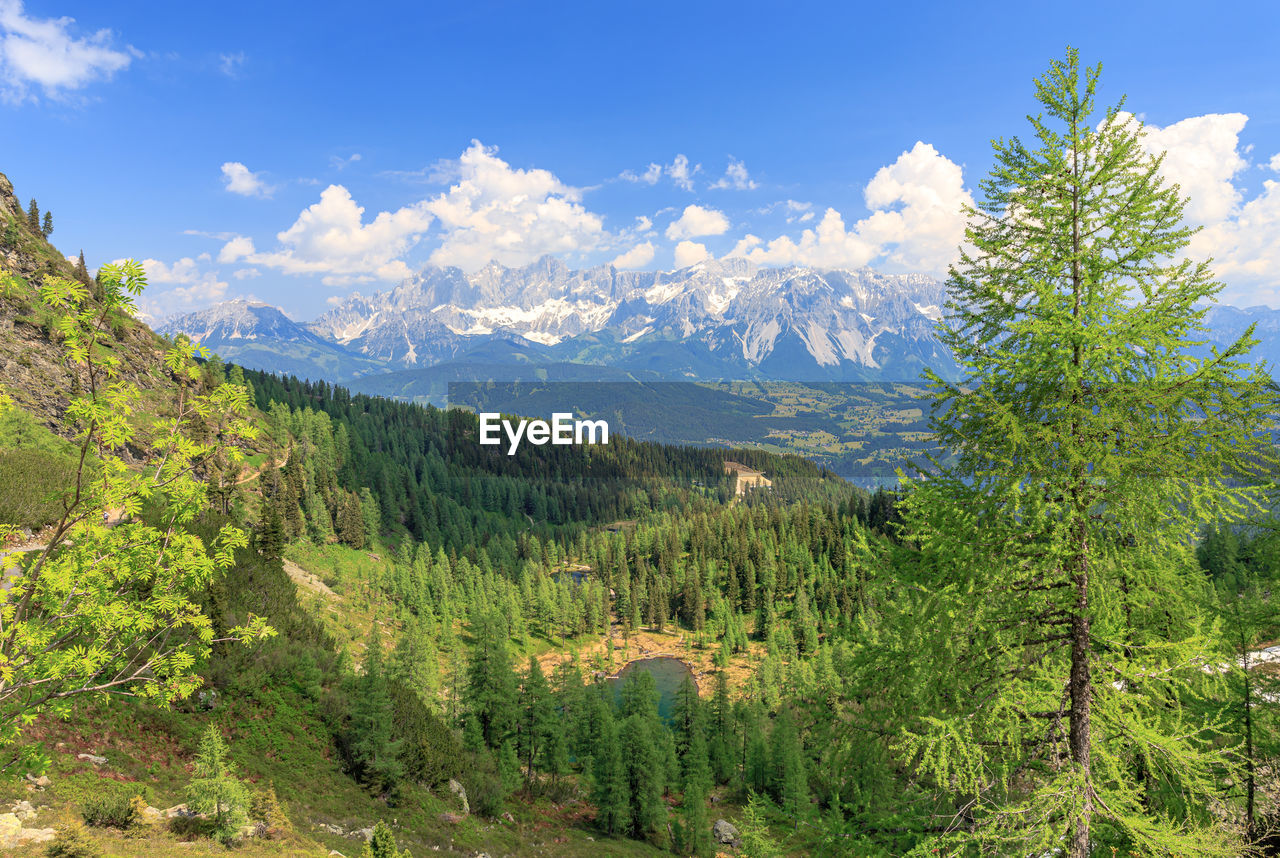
(307,580)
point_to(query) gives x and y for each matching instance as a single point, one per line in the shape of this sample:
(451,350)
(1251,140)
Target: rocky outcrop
(725,832)
(460,793)
(15,828)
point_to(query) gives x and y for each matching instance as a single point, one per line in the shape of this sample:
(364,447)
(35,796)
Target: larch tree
(1057,581)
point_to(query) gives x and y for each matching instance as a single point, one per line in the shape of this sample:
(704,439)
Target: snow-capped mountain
(720,318)
(262,337)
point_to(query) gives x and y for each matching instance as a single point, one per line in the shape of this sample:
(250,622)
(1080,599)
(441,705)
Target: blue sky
(298,152)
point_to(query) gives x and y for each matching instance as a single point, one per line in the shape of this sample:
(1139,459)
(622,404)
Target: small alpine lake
(668,674)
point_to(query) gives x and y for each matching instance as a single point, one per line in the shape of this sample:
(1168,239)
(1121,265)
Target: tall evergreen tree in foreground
(1060,589)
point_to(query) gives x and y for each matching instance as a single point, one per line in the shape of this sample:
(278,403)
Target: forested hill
(431,479)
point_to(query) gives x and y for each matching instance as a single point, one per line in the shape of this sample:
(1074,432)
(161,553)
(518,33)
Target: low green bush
(35,484)
(111,808)
(72,842)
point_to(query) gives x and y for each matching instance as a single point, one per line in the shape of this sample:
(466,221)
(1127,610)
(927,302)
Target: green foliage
(375,752)
(111,806)
(113,609)
(265,808)
(491,683)
(36,487)
(215,789)
(72,842)
(382,844)
(754,832)
(486,782)
(1050,588)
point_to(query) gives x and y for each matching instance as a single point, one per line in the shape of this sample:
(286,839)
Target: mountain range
(719,319)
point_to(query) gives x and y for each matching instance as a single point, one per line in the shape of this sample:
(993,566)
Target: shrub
(72,842)
(110,808)
(264,807)
(35,483)
(485,789)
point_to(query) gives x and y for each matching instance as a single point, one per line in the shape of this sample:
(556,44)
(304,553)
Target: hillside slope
(31,366)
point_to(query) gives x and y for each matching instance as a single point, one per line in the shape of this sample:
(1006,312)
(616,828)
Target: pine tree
(373,749)
(491,683)
(642,760)
(215,789)
(536,714)
(382,844)
(693,804)
(788,781)
(611,796)
(1057,588)
(46,228)
(269,538)
(33,215)
(82,271)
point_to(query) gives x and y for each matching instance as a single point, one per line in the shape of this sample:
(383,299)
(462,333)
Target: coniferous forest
(268,613)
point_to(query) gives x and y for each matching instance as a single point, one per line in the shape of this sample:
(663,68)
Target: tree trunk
(1081,703)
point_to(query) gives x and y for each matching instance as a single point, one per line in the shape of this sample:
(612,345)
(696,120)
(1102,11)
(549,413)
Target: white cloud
(246,273)
(231,64)
(331,239)
(192,287)
(339,163)
(679,171)
(735,177)
(637,257)
(690,253)
(495,212)
(237,247)
(43,52)
(239,179)
(442,172)
(1205,158)
(1202,157)
(697,221)
(916,222)
(492,212)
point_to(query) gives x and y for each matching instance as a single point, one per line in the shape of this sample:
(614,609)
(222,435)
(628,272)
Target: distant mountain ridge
(717,319)
(261,336)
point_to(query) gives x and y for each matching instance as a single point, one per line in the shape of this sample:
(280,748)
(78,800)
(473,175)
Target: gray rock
(208,699)
(10,825)
(93,758)
(41,782)
(365,833)
(460,792)
(725,832)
